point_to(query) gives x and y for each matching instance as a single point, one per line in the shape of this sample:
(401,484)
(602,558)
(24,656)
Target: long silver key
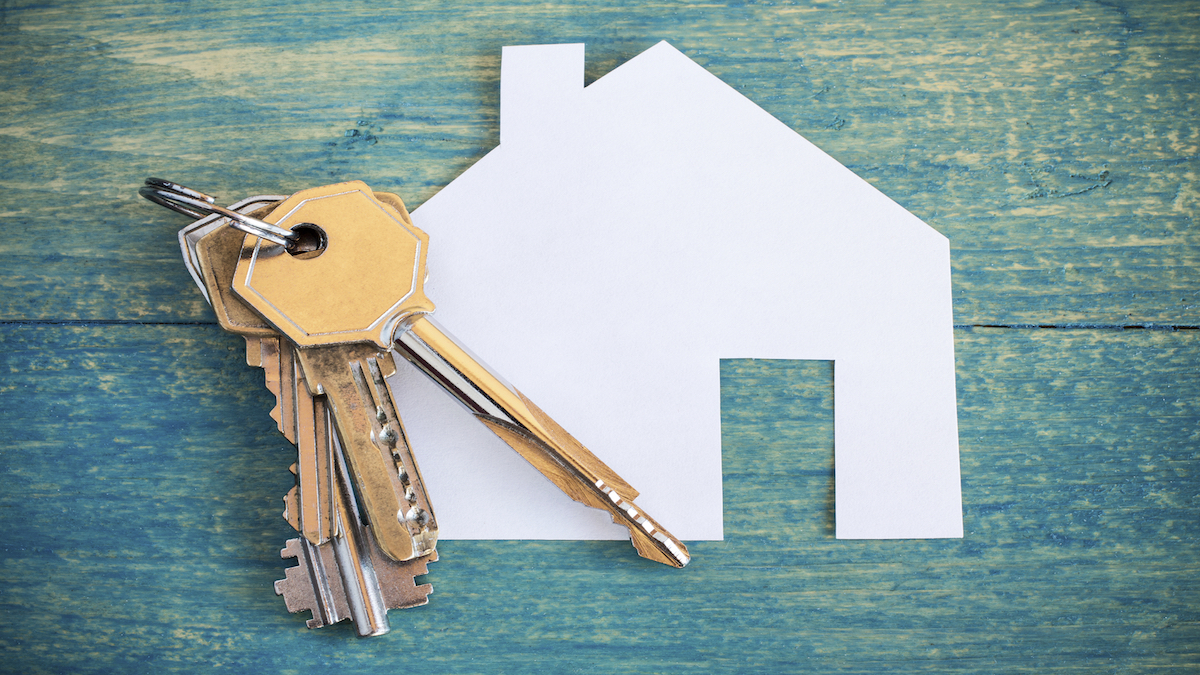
(535,436)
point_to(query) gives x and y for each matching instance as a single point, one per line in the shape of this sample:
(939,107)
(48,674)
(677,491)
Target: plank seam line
(1081,326)
(101,322)
(957,326)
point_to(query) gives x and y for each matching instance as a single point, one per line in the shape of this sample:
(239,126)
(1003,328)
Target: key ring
(197,205)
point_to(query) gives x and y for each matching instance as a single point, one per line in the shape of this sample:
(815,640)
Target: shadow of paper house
(626,236)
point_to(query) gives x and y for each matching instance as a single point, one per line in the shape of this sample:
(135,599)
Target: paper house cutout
(626,236)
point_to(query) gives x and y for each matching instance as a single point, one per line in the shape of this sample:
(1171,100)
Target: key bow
(331,293)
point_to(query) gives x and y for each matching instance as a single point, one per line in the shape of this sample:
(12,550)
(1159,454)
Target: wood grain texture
(141,536)
(1055,143)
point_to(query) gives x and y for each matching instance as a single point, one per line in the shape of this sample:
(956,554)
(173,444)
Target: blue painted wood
(142,535)
(1054,143)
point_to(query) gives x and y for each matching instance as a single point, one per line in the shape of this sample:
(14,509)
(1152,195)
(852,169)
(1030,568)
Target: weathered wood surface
(1056,144)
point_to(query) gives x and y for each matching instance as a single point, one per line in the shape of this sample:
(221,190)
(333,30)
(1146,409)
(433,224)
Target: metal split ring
(197,205)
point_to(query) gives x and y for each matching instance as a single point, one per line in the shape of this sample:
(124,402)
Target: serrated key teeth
(291,549)
(291,509)
(296,586)
(398,580)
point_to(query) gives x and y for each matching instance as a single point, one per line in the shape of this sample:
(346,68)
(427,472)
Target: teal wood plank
(142,494)
(1054,143)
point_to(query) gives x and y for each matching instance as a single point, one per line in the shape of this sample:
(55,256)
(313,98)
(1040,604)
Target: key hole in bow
(310,241)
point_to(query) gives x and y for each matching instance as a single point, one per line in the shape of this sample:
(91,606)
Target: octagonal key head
(357,276)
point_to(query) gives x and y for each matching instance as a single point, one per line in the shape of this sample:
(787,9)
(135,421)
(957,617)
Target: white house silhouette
(626,236)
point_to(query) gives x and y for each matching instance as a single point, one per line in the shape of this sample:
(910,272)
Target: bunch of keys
(326,286)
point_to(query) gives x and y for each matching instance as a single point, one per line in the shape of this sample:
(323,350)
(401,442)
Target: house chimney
(540,87)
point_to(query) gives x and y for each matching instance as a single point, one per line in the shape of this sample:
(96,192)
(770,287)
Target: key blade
(536,437)
(312,584)
(302,420)
(314,476)
(648,537)
(382,468)
(651,539)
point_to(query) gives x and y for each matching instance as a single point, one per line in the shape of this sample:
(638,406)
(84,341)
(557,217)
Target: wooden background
(1054,143)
